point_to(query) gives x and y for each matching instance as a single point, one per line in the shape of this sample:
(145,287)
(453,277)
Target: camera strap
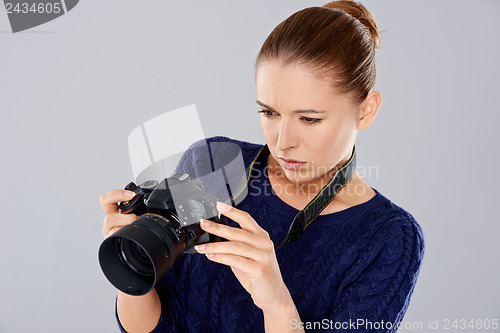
(319,202)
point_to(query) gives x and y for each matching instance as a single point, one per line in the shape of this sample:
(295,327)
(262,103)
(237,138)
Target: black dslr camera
(138,255)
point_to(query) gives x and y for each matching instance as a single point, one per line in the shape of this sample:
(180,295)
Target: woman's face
(292,130)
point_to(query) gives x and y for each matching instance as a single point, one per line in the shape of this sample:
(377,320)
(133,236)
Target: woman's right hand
(135,313)
(114,220)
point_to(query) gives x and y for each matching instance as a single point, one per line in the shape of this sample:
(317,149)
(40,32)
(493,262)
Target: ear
(368,110)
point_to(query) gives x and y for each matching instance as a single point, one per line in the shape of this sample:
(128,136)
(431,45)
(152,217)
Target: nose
(287,138)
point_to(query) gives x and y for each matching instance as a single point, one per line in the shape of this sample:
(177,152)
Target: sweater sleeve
(375,297)
(169,289)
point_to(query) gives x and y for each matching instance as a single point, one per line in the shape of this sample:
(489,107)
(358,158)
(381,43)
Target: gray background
(72,90)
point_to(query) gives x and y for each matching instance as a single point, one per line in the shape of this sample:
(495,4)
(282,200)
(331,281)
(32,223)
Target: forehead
(295,86)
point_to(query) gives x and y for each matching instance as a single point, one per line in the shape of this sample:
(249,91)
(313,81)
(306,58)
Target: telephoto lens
(136,257)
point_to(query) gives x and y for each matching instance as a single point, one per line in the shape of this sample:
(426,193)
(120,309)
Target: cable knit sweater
(351,271)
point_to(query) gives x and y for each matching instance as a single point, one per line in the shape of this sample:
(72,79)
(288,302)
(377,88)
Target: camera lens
(138,255)
(135,257)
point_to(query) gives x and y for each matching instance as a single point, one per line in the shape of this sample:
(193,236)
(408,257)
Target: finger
(232,247)
(110,199)
(241,217)
(107,233)
(243,264)
(112,221)
(119,220)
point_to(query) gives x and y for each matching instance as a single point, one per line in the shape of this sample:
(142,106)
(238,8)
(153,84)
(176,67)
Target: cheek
(267,129)
(326,136)
(329,143)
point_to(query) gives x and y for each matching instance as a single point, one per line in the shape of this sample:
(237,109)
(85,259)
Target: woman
(355,266)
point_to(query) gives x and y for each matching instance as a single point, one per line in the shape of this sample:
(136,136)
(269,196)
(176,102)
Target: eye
(307,120)
(266,113)
(311,121)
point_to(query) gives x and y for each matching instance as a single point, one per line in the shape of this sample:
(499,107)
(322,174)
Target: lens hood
(138,255)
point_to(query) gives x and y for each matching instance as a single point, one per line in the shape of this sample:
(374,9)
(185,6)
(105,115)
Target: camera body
(193,204)
(138,255)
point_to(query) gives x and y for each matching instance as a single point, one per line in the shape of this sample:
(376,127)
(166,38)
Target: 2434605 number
(35,8)
(472,324)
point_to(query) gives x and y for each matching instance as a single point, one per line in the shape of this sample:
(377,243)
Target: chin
(297,177)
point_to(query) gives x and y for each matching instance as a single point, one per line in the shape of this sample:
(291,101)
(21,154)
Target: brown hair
(337,41)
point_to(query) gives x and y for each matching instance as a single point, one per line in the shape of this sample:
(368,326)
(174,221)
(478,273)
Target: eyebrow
(296,111)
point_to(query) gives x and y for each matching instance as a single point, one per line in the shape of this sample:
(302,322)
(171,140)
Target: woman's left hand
(250,253)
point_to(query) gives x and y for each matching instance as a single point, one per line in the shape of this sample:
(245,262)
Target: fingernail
(200,247)
(222,207)
(209,254)
(205,223)
(130,194)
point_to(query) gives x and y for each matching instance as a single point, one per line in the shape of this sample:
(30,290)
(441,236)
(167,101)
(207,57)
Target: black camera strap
(319,202)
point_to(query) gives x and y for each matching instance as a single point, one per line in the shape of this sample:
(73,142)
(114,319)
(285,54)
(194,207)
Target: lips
(290,161)
(291,164)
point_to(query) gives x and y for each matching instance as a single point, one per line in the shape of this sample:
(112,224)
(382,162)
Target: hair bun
(358,11)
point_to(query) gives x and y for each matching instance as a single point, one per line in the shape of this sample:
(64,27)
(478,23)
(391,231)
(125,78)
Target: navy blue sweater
(351,271)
